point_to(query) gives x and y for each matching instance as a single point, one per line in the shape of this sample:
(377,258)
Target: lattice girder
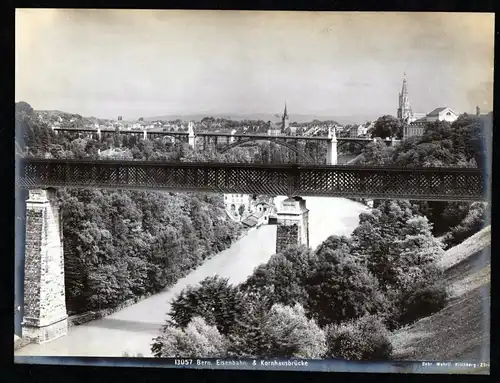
(451,184)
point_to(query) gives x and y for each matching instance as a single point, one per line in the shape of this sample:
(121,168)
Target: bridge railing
(452,184)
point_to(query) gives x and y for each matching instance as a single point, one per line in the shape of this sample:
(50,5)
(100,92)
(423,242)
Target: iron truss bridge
(438,184)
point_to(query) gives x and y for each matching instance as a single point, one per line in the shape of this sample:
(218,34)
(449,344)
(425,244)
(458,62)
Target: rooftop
(249,221)
(436,111)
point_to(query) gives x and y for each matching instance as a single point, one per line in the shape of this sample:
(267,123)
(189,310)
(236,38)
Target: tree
(376,153)
(332,243)
(123,244)
(419,253)
(78,147)
(470,134)
(241,209)
(214,300)
(475,220)
(387,126)
(421,302)
(342,288)
(363,339)
(289,333)
(401,252)
(247,338)
(284,275)
(197,340)
(376,235)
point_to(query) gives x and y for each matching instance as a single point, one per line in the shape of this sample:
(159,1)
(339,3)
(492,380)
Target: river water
(132,329)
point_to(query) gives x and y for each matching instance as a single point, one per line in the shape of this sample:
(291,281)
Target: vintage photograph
(250,184)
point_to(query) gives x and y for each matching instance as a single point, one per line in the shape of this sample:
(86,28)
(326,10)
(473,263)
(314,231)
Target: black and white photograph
(254,189)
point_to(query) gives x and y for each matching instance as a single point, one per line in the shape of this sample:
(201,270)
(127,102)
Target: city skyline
(134,63)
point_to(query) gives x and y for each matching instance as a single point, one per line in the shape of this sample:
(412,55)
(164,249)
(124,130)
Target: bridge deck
(214,134)
(449,184)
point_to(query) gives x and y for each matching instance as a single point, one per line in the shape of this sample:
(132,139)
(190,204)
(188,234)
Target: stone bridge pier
(331,150)
(293,223)
(191,135)
(45,315)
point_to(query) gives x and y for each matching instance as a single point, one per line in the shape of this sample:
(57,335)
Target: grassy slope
(460,331)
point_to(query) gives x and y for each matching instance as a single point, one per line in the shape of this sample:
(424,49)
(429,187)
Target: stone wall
(34,227)
(45,316)
(287,236)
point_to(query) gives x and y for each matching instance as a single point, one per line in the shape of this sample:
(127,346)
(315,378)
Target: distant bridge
(233,140)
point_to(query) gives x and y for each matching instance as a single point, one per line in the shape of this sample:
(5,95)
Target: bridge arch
(361,144)
(285,144)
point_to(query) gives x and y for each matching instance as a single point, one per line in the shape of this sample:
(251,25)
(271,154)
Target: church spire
(404,110)
(284,119)
(404,90)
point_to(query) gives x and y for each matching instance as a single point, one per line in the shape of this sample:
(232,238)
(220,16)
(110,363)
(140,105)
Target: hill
(300,118)
(264,117)
(460,331)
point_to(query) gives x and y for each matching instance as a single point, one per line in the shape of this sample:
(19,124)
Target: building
(285,123)
(353,131)
(285,120)
(256,219)
(261,211)
(360,130)
(414,130)
(312,131)
(273,129)
(294,130)
(418,121)
(283,127)
(233,202)
(404,109)
(357,130)
(405,112)
(417,127)
(441,114)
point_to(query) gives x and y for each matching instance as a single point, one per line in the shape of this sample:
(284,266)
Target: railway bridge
(44,315)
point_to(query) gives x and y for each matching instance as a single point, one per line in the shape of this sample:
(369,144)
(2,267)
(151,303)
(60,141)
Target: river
(132,329)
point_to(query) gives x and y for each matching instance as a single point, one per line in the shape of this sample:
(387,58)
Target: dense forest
(125,244)
(344,298)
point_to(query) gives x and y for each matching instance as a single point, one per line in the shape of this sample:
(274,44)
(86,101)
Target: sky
(135,63)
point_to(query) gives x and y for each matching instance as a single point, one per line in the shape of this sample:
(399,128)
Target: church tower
(404,110)
(285,123)
(285,119)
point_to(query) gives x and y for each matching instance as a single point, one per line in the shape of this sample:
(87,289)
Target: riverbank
(80,319)
(133,328)
(94,315)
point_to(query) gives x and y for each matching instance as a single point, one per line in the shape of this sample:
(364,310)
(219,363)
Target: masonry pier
(45,316)
(331,149)
(293,224)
